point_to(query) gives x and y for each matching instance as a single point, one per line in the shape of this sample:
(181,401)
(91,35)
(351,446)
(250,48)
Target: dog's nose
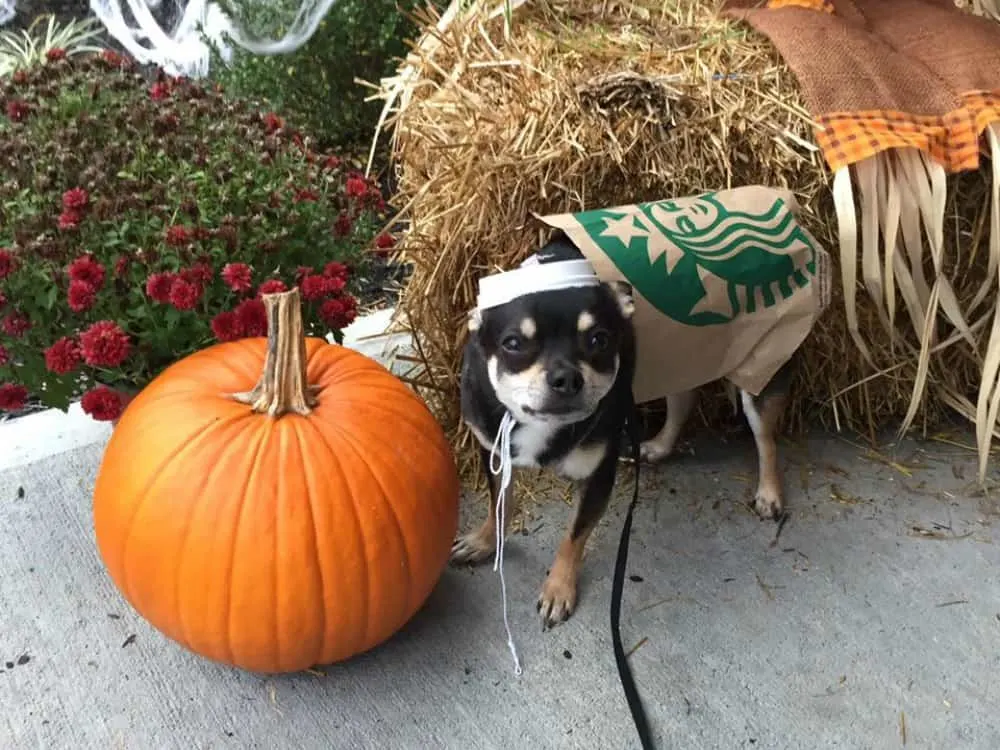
(565,381)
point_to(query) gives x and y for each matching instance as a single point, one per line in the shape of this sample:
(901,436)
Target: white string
(502,442)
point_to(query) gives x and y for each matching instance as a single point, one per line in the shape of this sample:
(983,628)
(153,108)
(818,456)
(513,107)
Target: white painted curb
(51,432)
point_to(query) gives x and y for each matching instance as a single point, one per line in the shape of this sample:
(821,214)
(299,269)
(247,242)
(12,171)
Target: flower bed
(140,222)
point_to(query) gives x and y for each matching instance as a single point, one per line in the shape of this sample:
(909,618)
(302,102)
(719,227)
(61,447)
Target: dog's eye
(512,343)
(599,341)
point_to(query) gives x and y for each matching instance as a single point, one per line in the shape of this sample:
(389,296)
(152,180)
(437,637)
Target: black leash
(618,583)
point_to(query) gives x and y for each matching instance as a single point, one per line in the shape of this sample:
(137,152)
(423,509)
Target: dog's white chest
(528,442)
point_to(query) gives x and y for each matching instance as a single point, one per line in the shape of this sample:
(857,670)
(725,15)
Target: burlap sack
(727,284)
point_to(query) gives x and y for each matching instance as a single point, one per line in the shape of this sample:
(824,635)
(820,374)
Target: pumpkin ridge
(408,558)
(302,444)
(254,469)
(154,477)
(185,536)
(335,462)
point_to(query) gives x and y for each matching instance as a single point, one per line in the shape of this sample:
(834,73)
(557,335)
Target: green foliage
(30,47)
(161,209)
(315,85)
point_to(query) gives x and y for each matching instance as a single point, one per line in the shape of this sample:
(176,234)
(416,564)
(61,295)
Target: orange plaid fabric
(953,140)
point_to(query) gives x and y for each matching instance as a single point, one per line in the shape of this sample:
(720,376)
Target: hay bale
(581,105)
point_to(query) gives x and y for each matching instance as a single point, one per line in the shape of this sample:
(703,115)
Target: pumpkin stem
(282,387)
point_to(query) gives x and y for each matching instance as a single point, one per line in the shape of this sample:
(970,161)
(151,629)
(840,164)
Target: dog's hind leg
(764,414)
(679,407)
(557,599)
(479,545)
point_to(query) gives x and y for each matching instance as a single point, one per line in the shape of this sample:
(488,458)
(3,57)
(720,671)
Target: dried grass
(585,104)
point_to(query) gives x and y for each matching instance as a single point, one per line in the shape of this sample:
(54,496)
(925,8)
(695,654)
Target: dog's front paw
(768,502)
(652,452)
(557,600)
(474,547)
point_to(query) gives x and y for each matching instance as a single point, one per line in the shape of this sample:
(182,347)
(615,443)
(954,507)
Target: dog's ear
(623,295)
(475,320)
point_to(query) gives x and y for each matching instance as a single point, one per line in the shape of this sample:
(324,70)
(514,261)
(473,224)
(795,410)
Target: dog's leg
(481,544)
(557,599)
(764,415)
(679,407)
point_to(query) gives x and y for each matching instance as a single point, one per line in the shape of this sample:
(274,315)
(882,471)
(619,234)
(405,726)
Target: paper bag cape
(727,285)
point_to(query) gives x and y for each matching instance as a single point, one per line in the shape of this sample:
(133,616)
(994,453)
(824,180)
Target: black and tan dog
(562,362)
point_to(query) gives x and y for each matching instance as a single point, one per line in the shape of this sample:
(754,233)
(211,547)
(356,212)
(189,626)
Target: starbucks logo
(701,263)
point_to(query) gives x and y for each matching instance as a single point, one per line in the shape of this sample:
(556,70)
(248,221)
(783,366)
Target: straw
(587,104)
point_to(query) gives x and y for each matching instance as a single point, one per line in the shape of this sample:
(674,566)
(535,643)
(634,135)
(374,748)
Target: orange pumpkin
(277,521)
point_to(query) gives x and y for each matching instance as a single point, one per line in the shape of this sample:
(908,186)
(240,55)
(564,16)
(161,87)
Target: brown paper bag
(727,284)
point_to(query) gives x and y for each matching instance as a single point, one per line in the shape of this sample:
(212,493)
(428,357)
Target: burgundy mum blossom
(105,344)
(252,317)
(315,287)
(178,236)
(103,404)
(17,110)
(75,199)
(158,286)
(85,268)
(271,286)
(15,325)
(54,54)
(4,356)
(184,295)
(237,276)
(64,356)
(69,220)
(7,263)
(356,187)
(12,397)
(339,312)
(81,296)
(227,326)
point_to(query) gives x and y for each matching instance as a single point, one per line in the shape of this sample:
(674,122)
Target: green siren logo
(699,262)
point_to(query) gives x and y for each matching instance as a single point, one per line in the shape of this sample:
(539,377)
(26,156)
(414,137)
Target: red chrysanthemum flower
(227,326)
(81,296)
(271,286)
(336,270)
(339,312)
(12,396)
(105,344)
(17,110)
(200,274)
(7,262)
(15,325)
(178,235)
(69,220)
(184,295)
(272,123)
(64,356)
(121,266)
(159,91)
(237,276)
(85,268)
(158,286)
(384,241)
(75,199)
(103,404)
(343,225)
(356,187)
(4,356)
(306,196)
(315,287)
(54,54)
(252,317)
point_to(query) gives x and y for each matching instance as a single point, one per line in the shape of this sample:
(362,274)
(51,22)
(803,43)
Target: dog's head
(552,356)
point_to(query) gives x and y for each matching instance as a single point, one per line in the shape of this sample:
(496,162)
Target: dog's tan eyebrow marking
(585,322)
(528,328)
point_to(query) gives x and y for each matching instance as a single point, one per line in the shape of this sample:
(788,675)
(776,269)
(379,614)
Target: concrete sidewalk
(873,621)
